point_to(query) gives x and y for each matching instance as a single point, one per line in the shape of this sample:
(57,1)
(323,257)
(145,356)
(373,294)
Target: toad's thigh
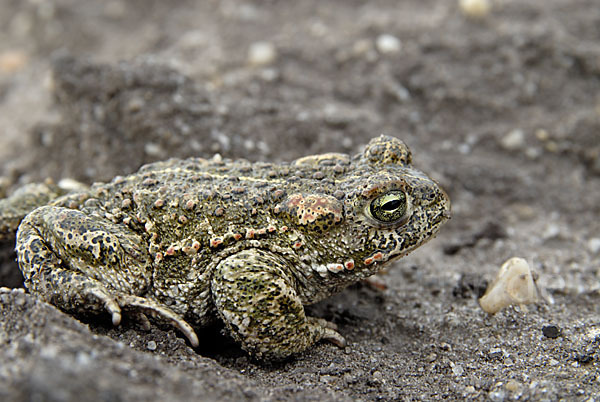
(60,238)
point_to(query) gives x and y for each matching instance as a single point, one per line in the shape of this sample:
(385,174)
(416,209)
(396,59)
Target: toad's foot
(137,307)
(143,307)
(330,333)
(140,307)
(256,298)
(87,264)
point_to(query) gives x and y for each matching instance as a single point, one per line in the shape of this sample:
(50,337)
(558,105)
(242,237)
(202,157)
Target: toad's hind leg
(255,296)
(84,263)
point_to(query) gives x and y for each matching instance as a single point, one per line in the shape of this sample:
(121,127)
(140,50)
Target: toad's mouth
(401,249)
(441,218)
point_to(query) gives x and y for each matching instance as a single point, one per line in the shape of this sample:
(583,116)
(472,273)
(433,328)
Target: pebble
(153,149)
(592,334)
(542,134)
(261,53)
(514,140)
(551,331)
(497,395)
(71,185)
(495,353)
(83,359)
(398,91)
(513,386)
(349,378)
(269,74)
(327,379)
(387,44)
(135,104)
(594,245)
(514,284)
(457,369)
(445,346)
(362,47)
(475,9)
(19,300)
(533,153)
(151,345)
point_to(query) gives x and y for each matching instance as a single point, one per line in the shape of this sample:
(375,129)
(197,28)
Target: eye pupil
(391,205)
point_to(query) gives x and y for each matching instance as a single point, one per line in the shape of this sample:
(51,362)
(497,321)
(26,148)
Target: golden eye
(389,207)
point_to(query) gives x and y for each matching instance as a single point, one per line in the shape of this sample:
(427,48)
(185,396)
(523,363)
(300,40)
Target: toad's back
(195,212)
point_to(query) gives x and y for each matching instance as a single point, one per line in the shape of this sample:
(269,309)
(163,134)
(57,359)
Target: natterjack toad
(190,241)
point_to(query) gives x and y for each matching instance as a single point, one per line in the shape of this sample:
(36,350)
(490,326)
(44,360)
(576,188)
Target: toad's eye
(389,207)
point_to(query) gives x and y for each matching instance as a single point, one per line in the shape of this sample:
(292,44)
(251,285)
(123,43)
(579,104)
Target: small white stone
(261,53)
(513,140)
(475,8)
(151,345)
(542,134)
(83,359)
(496,353)
(72,185)
(533,152)
(513,386)
(594,245)
(269,74)
(469,389)
(152,149)
(499,395)
(464,148)
(592,333)
(514,284)
(552,231)
(388,44)
(457,369)
(362,47)
(318,29)
(400,92)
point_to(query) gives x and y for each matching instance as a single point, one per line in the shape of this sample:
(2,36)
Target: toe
(148,306)
(109,302)
(334,337)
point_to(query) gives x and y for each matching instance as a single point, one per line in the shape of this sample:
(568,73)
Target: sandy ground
(504,111)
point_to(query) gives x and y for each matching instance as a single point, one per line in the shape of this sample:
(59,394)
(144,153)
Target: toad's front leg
(255,296)
(84,263)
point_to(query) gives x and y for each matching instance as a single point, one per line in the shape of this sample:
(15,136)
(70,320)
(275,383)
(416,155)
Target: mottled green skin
(189,241)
